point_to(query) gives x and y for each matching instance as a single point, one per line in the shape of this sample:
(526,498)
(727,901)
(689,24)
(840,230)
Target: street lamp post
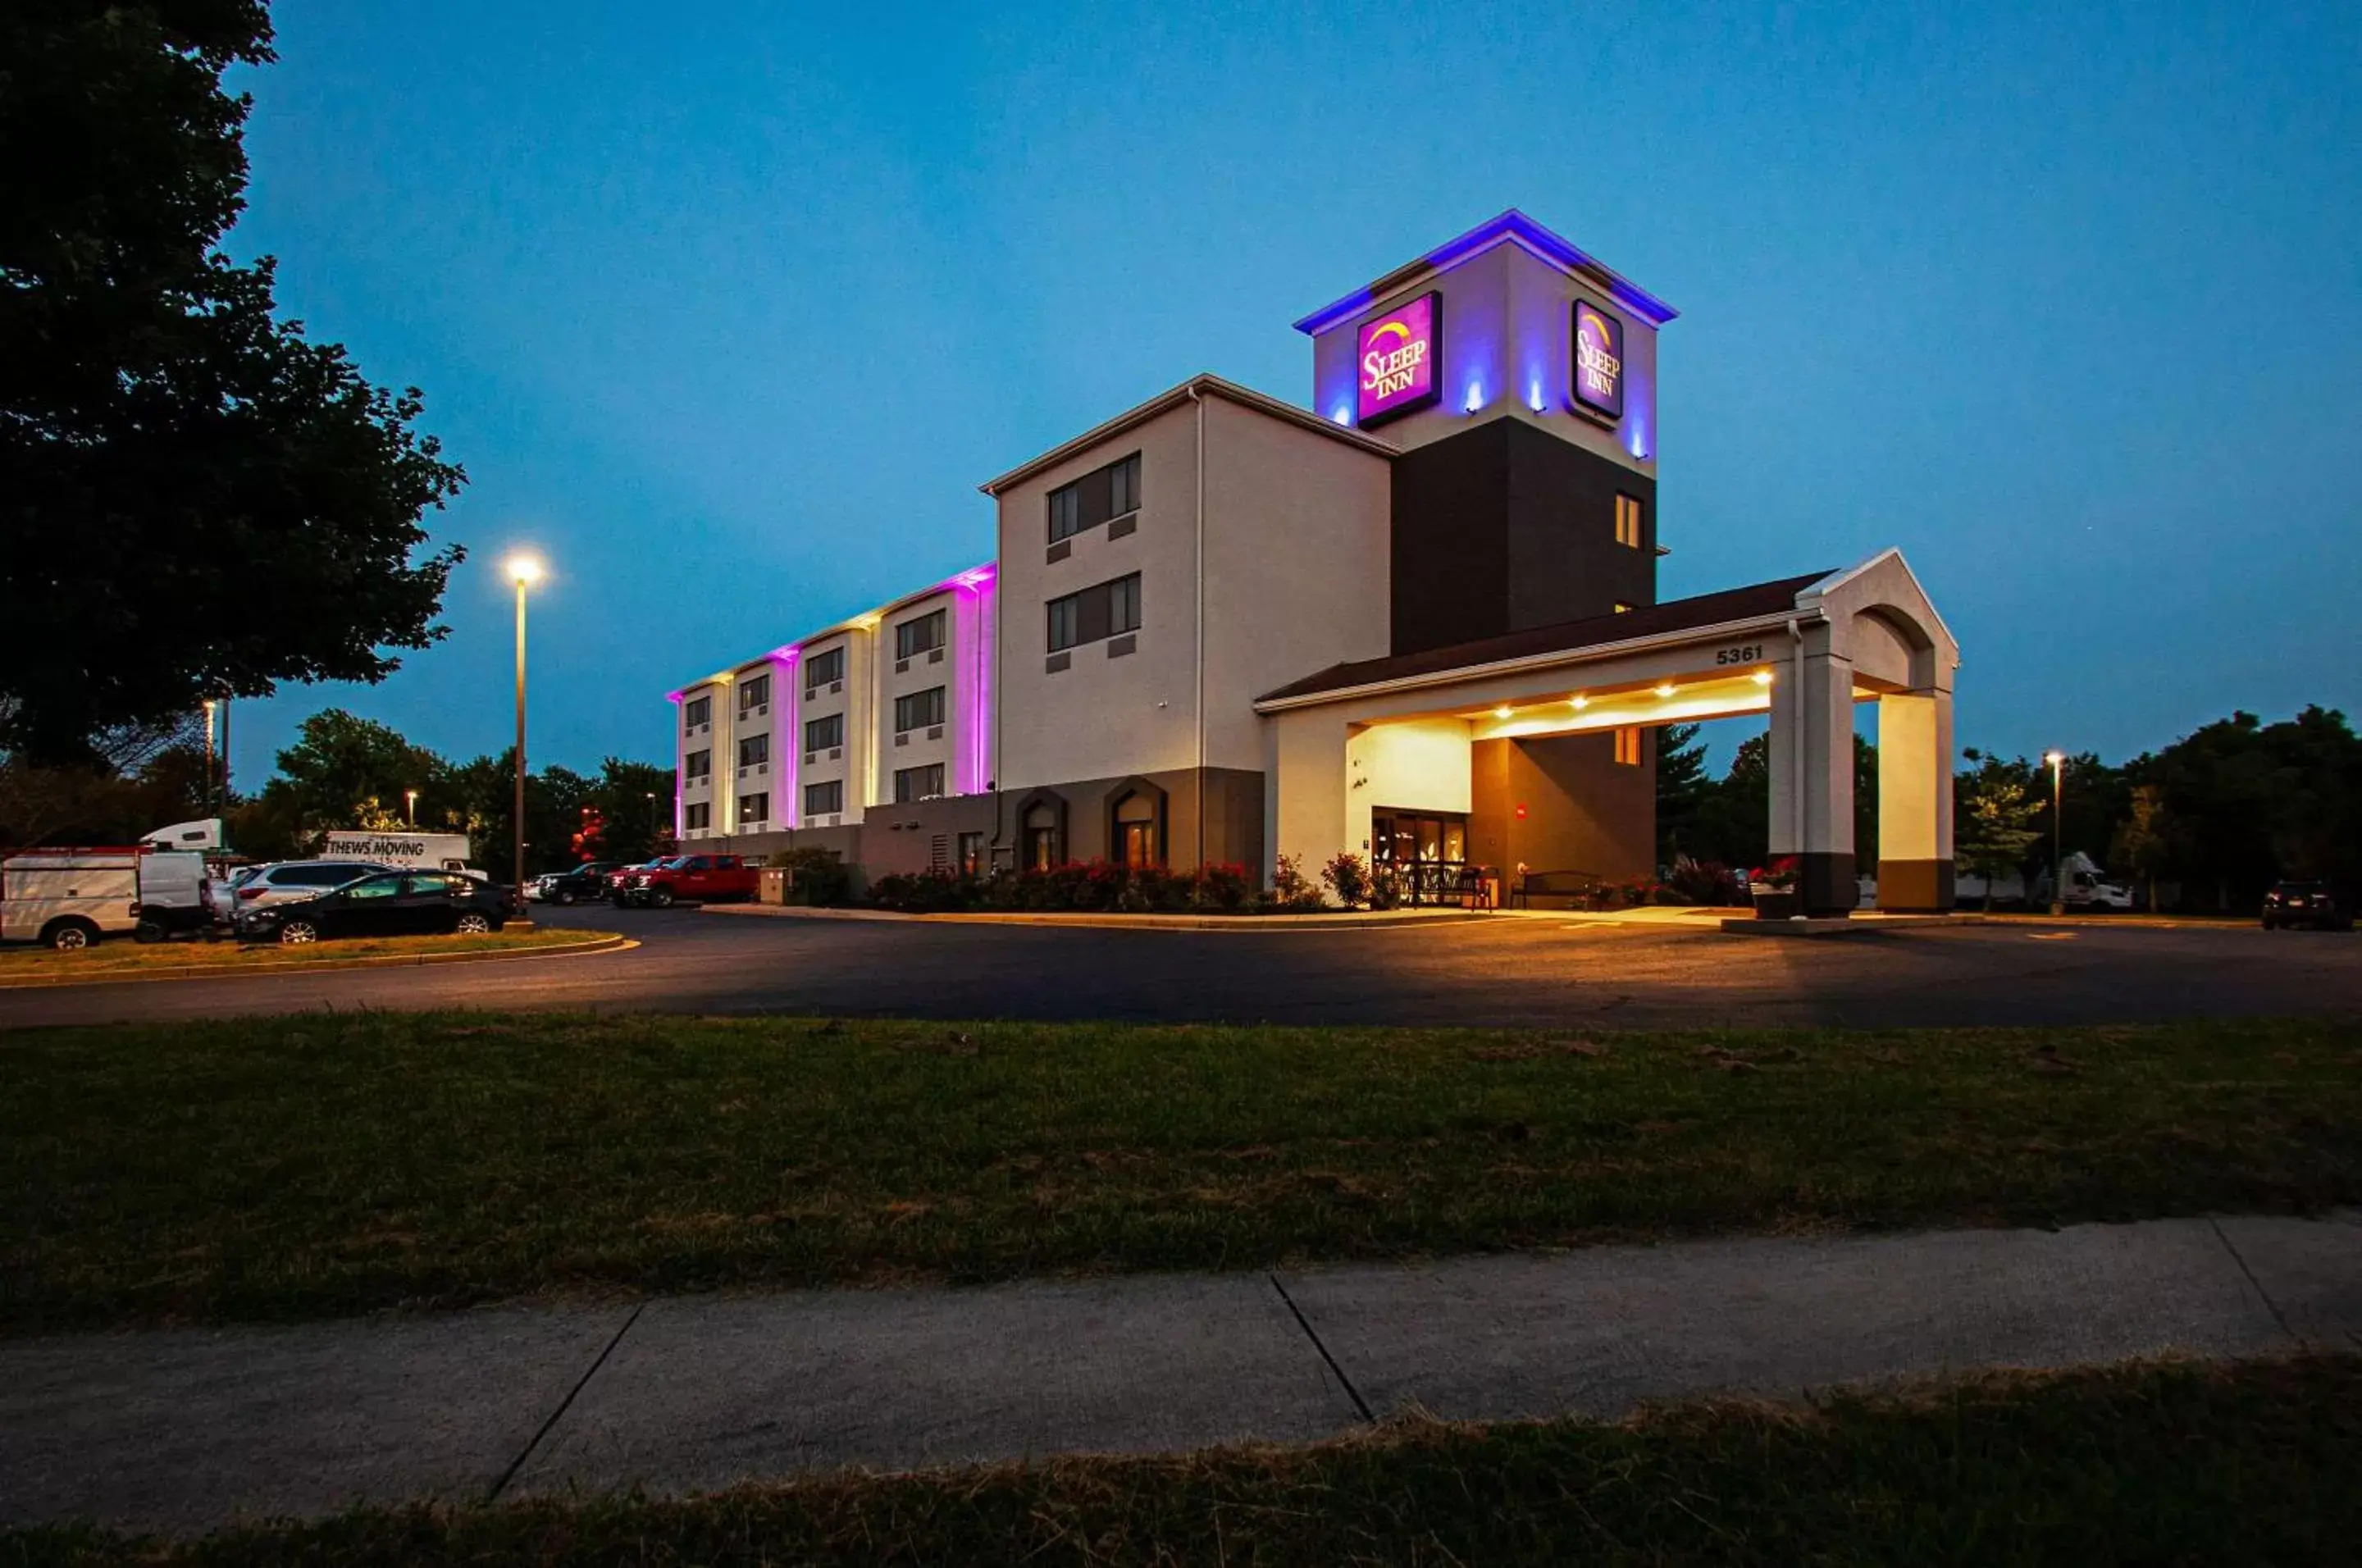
(2057,761)
(410,807)
(208,801)
(524,571)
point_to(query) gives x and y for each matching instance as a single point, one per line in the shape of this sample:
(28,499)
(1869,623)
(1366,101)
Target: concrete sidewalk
(179,1430)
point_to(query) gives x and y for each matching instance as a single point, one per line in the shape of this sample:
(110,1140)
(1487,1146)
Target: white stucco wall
(1296,542)
(1421,763)
(1103,717)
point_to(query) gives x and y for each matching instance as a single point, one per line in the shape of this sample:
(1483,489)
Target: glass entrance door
(1427,850)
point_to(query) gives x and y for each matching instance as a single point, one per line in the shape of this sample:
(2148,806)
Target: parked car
(588,880)
(276,881)
(389,903)
(2307,904)
(707,878)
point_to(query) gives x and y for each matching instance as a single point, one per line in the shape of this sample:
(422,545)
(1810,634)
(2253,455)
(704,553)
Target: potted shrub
(1774,890)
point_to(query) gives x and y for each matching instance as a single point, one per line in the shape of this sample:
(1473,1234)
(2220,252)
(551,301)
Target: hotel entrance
(1529,753)
(1428,851)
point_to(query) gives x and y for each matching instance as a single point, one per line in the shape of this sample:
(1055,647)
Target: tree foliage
(1995,818)
(349,772)
(200,500)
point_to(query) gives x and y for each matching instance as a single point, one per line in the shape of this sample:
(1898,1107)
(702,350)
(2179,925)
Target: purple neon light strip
(1632,296)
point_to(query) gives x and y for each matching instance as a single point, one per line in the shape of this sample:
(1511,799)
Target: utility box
(774,889)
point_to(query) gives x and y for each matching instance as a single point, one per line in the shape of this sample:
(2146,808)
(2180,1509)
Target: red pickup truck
(707,879)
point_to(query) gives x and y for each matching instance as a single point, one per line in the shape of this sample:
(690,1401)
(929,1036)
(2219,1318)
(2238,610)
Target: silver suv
(255,886)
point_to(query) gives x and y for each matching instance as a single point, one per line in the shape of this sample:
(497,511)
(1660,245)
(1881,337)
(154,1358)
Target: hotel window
(824,799)
(820,734)
(1041,837)
(1097,612)
(1135,832)
(1065,622)
(918,710)
(1628,521)
(1099,495)
(754,810)
(1628,746)
(696,714)
(697,766)
(971,854)
(914,637)
(823,669)
(1123,604)
(755,693)
(918,783)
(697,817)
(1123,487)
(755,751)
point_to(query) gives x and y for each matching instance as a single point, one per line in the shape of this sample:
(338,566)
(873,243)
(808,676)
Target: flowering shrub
(1779,876)
(1290,888)
(1348,877)
(1704,882)
(1084,885)
(815,876)
(928,892)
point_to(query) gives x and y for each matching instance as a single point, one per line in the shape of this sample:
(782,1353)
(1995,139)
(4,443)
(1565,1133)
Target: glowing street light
(410,807)
(2057,761)
(524,571)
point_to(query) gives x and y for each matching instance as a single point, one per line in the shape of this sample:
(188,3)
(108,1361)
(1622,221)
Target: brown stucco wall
(1585,811)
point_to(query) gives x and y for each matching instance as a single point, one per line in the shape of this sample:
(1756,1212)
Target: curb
(1238,924)
(1842,925)
(396,960)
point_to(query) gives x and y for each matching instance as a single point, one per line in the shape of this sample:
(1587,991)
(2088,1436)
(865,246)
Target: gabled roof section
(1516,228)
(1163,401)
(1674,618)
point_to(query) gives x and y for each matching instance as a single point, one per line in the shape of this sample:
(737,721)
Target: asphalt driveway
(1505,971)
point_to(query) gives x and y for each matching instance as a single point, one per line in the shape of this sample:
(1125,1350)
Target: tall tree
(2148,841)
(349,772)
(1994,820)
(1684,791)
(198,498)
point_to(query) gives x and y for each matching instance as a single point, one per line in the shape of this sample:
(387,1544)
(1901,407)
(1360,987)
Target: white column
(1305,788)
(1811,759)
(1914,801)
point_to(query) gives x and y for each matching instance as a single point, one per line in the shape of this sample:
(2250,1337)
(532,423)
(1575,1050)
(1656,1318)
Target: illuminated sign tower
(1519,376)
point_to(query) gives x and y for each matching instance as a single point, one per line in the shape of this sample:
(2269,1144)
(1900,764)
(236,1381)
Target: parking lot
(1505,971)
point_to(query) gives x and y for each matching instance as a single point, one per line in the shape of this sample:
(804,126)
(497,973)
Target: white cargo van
(68,899)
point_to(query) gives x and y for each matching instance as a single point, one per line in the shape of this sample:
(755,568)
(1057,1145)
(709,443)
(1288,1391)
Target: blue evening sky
(728,307)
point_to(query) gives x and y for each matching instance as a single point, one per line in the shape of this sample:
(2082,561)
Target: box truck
(409,851)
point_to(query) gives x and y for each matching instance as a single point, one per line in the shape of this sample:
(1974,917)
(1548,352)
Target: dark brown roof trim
(1752,603)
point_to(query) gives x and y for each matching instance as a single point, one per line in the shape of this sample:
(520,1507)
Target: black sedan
(2304,903)
(588,880)
(396,903)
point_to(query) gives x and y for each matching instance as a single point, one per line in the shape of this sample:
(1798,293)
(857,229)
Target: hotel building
(1418,620)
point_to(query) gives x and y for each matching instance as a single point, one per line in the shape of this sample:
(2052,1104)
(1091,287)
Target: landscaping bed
(311,1166)
(122,958)
(2183,1463)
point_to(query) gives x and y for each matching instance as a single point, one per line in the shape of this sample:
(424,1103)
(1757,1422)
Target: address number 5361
(1751,654)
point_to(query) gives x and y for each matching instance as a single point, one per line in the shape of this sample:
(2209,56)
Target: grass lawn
(318,1165)
(120,957)
(2259,1462)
